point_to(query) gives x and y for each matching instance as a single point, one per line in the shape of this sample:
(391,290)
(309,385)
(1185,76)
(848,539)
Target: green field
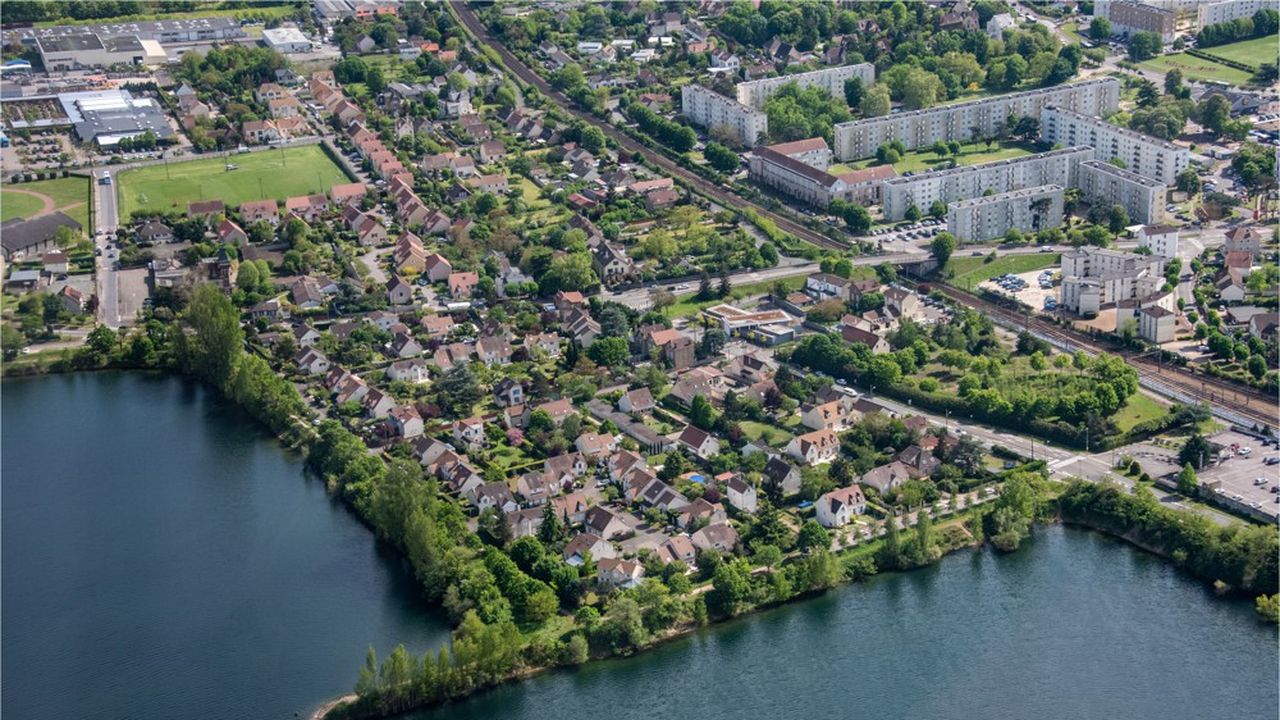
(258,12)
(69,194)
(1194,68)
(688,305)
(969,271)
(1138,409)
(970,154)
(1248,52)
(275,174)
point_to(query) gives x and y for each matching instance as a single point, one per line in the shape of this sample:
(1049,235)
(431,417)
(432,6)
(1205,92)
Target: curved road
(704,186)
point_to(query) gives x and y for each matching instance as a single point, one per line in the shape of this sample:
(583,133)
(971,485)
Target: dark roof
(821,177)
(18,234)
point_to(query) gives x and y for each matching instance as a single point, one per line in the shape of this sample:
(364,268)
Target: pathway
(48,205)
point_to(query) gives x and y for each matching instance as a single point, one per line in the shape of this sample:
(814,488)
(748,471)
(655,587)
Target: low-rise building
(837,508)
(1093,277)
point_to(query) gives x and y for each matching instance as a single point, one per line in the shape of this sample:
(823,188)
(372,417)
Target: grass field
(970,154)
(69,194)
(259,12)
(1248,52)
(268,174)
(688,305)
(969,271)
(1194,68)
(1138,409)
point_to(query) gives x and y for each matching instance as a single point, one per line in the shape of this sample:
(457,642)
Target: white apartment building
(1093,277)
(1162,239)
(1156,324)
(1141,197)
(987,218)
(1212,13)
(973,120)
(756,92)
(1141,154)
(1056,167)
(709,109)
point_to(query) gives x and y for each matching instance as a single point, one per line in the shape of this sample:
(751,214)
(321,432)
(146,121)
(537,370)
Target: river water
(164,559)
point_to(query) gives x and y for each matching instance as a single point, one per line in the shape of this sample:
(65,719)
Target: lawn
(275,174)
(69,194)
(688,305)
(1248,52)
(969,271)
(970,154)
(1194,68)
(762,432)
(258,11)
(1140,408)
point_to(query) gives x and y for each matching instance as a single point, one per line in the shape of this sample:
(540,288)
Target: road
(106,220)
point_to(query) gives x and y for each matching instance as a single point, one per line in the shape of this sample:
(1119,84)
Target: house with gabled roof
(717,536)
(814,448)
(606,523)
(700,442)
(587,544)
(837,508)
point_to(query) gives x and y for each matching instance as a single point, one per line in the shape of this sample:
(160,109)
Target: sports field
(1248,52)
(1194,68)
(277,174)
(27,200)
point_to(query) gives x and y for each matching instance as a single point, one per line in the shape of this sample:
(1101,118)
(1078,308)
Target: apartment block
(1213,13)
(1143,154)
(1129,17)
(1142,198)
(756,92)
(973,120)
(988,218)
(799,169)
(710,109)
(1093,277)
(1056,167)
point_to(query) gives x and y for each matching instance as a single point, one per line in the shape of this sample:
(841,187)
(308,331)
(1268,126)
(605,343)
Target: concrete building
(799,169)
(813,152)
(189,30)
(108,116)
(69,52)
(1213,13)
(1141,197)
(1156,324)
(1056,167)
(755,92)
(1142,154)
(1093,277)
(1128,18)
(971,120)
(1162,239)
(998,24)
(286,40)
(987,218)
(710,109)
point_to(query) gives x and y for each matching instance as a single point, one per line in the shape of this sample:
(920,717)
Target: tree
(457,391)
(813,537)
(1187,480)
(722,158)
(938,210)
(1117,218)
(1188,181)
(102,340)
(1100,29)
(210,351)
(700,413)
(942,246)
(1196,452)
(875,102)
(591,139)
(1148,94)
(854,91)
(375,81)
(610,352)
(730,589)
(912,214)
(1144,46)
(1172,81)
(569,272)
(1214,112)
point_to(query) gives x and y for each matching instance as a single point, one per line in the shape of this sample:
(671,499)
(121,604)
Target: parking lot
(1243,476)
(1026,287)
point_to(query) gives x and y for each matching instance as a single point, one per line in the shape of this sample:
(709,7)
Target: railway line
(705,187)
(1242,406)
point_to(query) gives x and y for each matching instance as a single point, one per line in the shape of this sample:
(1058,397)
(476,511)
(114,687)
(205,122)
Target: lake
(163,558)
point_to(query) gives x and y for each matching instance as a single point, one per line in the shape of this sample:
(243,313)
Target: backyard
(26,200)
(1194,68)
(277,174)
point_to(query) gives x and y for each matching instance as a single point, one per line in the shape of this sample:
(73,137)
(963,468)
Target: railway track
(728,199)
(1244,406)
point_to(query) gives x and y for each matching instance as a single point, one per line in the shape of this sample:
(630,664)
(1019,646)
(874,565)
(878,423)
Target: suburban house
(815,447)
(700,442)
(616,573)
(886,477)
(837,508)
(718,536)
(584,545)
(782,475)
(636,401)
(604,522)
(740,493)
